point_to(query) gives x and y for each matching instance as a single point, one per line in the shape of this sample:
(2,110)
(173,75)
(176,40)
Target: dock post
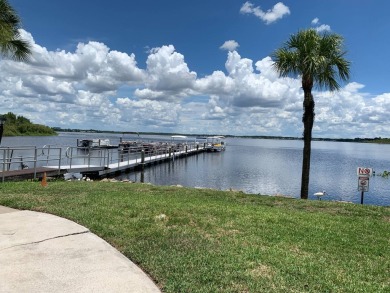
(89,159)
(35,163)
(142,159)
(48,155)
(3,166)
(71,158)
(59,162)
(9,159)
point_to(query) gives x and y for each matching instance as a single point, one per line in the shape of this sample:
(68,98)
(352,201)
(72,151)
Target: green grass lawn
(192,240)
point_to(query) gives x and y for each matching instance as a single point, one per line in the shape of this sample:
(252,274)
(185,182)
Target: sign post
(364,175)
(363,184)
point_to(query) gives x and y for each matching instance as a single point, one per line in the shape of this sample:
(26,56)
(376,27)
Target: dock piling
(35,162)
(143,159)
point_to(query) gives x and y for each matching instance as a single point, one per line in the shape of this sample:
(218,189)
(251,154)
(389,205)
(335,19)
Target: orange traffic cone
(44,180)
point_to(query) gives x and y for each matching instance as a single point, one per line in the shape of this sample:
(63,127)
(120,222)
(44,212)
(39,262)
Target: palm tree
(319,60)
(11,44)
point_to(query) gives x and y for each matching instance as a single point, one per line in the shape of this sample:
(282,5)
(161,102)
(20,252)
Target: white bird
(320,194)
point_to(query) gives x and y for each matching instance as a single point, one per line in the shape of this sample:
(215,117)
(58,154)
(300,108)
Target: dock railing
(81,159)
(28,157)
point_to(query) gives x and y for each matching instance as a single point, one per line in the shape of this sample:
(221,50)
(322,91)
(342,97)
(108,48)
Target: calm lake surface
(259,166)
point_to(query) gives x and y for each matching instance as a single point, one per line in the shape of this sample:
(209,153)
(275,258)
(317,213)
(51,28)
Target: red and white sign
(363,183)
(362,171)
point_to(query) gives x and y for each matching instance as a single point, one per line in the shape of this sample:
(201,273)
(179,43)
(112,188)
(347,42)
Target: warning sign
(362,171)
(363,183)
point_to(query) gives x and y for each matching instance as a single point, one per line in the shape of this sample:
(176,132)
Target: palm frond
(11,44)
(18,50)
(314,55)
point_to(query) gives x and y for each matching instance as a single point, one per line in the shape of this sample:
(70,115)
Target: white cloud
(167,70)
(95,87)
(320,27)
(271,15)
(315,21)
(230,45)
(323,28)
(149,114)
(353,87)
(253,89)
(148,94)
(216,83)
(237,66)
(265,66)
(86,98)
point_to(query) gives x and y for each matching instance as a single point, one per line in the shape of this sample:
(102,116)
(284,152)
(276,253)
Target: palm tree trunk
(308,120)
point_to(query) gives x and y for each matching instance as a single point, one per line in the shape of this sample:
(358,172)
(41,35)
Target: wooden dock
(26,174)
(122,163)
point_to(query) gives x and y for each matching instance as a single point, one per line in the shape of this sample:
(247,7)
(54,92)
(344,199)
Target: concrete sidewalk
(45,253)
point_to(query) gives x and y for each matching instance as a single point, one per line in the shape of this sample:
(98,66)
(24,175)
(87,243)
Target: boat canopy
(178,136)
(216,137)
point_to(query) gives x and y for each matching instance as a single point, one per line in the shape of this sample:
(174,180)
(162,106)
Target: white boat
(179,137)
(215,143)
(126,145)
(178,142)
(95,143)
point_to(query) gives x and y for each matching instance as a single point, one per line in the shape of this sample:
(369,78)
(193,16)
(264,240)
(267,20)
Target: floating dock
(32,162)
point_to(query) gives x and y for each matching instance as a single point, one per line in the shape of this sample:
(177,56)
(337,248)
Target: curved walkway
(45,253)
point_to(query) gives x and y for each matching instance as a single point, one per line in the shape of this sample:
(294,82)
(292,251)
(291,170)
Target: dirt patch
(262,271)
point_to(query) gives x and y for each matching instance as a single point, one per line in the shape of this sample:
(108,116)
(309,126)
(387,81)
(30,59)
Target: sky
(195,67)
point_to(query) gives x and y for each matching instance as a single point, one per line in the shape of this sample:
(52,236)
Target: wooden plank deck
(29,173)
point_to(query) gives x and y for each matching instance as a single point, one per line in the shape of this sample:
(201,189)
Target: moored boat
(215,143)
(95,143)
(126,145)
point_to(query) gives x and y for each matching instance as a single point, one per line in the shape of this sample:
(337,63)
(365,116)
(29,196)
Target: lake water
(260,166)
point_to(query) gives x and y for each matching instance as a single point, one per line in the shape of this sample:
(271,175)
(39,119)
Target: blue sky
(194,66)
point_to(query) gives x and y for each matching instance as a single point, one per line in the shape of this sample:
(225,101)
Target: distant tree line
(357,139)
(21,126)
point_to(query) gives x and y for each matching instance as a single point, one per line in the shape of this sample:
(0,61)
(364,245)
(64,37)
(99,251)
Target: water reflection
(274,167)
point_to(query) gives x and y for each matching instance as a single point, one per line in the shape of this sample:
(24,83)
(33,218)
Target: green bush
(21,126)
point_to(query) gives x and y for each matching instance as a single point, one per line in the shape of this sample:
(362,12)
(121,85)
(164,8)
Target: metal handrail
(14,158)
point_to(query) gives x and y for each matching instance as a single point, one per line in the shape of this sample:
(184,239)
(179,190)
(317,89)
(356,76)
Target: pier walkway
(33,162)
